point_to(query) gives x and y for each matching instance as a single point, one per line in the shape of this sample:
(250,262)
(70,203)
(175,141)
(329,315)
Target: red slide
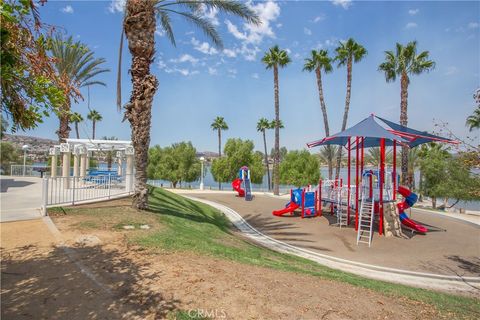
(237,186)
(292,206)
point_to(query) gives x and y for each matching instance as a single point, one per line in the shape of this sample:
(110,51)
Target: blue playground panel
(309,204)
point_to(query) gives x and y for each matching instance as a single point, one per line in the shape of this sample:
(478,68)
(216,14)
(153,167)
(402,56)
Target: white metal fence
(32,170)
(72,190)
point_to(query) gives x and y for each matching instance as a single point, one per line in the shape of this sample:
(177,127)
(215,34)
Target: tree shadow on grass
(174,205)
(39,285)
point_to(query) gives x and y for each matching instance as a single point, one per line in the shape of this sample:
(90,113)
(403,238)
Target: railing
(72,190)
(32,170)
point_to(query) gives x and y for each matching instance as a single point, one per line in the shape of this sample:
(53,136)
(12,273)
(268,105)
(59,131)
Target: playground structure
(304,198)
(371,191)
(243,180)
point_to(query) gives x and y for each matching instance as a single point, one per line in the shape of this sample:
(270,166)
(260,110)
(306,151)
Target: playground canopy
(374,131)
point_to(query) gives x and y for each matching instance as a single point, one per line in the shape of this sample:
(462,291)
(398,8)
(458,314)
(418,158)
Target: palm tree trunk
(139,25)
(64,128)
(345,114)
(266,158)
(93,129)
(276,156)
(219,152)
(325,121)
(404,122)
(76,130)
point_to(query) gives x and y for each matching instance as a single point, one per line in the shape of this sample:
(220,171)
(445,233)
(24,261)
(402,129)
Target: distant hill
(39,147)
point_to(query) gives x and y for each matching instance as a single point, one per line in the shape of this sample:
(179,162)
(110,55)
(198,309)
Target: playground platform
(451,248)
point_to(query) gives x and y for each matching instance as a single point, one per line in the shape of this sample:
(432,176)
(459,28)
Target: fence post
(43,208)
(73,190)
(109,184)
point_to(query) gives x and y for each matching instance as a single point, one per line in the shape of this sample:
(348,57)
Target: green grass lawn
(187,225)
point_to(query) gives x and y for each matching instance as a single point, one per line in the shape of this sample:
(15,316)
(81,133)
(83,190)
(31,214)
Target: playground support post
(356,183)
(319,197)
(303,203)
(348,180)
(362,156)
(394,170)
(382,181)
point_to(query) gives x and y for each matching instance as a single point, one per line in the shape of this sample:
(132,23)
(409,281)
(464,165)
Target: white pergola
(82,149)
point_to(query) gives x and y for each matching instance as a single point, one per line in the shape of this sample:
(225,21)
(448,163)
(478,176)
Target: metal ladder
(367,214)
(342,209)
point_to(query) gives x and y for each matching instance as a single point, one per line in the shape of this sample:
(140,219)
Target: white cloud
(185,58)
(183,72)
(473,25)
(345,4)
(268,12)
(229,53)
(232,73)
(319,18)
(331,42)
(451,71)
(116,6)
(411,25)
(413,12)
(161,64)
(307,31)
(279,25)
(159,32)
(212,71)
(210,14)
(67,9)
(203,47)
(255,76)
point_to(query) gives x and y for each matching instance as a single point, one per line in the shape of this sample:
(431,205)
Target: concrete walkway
(20,198)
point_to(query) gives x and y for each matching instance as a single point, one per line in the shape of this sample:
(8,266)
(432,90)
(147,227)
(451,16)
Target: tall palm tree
(139,25)
(95,117)
(76,67)
(76,118)
(273,59)
(402,63)
(263,125)
(318,61)
(473,121)
(109,153)
(348,52)
(219,124)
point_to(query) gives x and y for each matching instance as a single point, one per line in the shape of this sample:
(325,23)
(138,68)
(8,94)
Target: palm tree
(263,125)
(109,153)
(473,121)
(348,52)
(273,59)
(139,25)
(95,117)
(76,118)
(402,63)
(319,61)
(219,124)
(76,67)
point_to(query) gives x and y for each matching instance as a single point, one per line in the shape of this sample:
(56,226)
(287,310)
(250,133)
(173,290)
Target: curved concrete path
(20,198)
(464,285)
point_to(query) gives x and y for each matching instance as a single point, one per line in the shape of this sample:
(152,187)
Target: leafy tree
(139,26)
(348,52)
(3,126)
(263,125)
(433,165)
(95,117)
(238,153)
(30,86)
(299,168)
(8,155)
(177,163)
(77,67)
(326,153)
(274,58)
(76,118)
(318,61)
(402,63)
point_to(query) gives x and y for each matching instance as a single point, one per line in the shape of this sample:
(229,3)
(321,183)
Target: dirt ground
(451,247)
(96,274)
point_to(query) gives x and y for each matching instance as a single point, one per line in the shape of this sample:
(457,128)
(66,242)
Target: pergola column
(65,149)
(76,160)
(54,152)
(120,163)
(83,164)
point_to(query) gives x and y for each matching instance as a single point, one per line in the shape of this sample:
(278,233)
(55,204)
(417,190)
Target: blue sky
(199,82)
